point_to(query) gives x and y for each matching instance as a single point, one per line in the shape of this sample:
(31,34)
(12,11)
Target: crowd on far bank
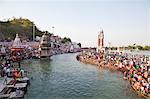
(135,68)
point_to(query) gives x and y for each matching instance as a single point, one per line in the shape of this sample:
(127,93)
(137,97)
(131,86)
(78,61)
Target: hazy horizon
(125,22)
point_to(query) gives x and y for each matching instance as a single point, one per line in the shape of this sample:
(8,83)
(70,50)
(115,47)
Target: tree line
(131,47)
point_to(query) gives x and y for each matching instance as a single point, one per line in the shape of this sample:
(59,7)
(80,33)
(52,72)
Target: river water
(63,77)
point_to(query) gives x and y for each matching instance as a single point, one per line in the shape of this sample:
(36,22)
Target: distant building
(75,47)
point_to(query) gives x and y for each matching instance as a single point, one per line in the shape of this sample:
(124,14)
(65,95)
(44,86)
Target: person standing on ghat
(2,51)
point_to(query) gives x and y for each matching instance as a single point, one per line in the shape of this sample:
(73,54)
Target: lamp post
(109,45)
(53,29)
(33,32)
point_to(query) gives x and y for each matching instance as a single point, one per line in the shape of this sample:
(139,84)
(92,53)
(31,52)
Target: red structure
(99,40)
(17,54)
(17,50)
(102,33)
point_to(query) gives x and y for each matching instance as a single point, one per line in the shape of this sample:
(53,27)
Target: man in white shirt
(3,51)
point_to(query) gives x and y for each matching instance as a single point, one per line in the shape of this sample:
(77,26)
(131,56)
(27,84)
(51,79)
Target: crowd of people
(135,68)
(7,58)
(9,71)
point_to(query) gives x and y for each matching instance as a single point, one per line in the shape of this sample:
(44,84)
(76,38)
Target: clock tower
(100,40)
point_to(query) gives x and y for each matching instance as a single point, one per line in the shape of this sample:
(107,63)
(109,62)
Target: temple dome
(17,42)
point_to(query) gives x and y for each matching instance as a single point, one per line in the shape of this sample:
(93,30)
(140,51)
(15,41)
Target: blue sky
(124,22)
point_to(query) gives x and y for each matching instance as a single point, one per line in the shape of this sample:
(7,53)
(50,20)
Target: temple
(17,50)
(17,42)
(45,46)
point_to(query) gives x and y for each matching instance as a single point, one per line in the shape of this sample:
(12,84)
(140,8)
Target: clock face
(101,35)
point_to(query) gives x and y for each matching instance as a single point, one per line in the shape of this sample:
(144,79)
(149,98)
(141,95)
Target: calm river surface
(63,77)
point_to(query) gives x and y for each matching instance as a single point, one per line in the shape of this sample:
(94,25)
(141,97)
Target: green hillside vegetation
(23,27)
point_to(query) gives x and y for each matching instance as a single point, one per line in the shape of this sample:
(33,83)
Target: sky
(124,22)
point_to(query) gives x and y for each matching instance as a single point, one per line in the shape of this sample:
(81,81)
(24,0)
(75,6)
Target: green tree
(130,47)
(65,39)
(79,44)
(147,48)
(139,47)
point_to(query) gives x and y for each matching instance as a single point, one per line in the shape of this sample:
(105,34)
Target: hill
(24,27)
